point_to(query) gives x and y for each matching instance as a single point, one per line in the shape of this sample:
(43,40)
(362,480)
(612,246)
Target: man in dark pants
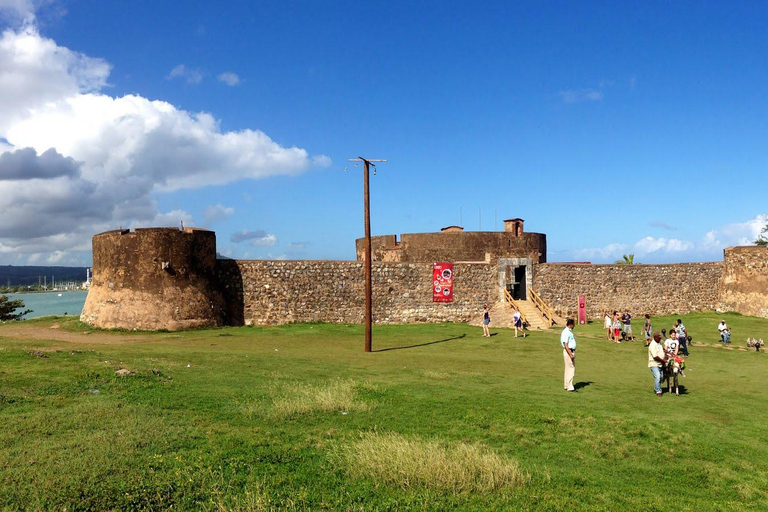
(682,336)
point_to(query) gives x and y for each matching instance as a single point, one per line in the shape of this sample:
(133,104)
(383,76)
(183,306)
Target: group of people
(618,327)
(665,360)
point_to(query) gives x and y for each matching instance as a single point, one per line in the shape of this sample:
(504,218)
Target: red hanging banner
(582,309)
(442,282)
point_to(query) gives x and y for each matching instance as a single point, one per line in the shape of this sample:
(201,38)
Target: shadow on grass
(580,385)
(421,344)
(682,389)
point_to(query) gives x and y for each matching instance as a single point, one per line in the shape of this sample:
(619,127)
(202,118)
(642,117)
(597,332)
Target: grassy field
(437,418)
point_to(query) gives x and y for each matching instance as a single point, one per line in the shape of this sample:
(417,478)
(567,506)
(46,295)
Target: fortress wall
(456,246)
(277,292)
(654,289)
(745,280)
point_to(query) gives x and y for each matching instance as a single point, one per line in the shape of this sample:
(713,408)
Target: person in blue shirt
(568,342)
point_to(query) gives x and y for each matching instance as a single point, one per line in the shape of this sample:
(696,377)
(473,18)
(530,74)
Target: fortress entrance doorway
(518,288)
(515,276)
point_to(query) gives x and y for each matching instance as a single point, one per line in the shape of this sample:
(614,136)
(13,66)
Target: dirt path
(21,332)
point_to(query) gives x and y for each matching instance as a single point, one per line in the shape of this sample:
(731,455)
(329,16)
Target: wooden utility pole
(367,163)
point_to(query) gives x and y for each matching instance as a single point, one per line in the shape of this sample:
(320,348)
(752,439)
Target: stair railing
(542,306)
(514,305)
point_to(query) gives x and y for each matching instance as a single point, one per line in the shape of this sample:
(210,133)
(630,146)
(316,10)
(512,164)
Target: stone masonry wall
(277,292)
(745,280)
(455,246)
(654,289)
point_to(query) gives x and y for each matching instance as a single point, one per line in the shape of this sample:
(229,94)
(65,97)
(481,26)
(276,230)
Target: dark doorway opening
(518,284)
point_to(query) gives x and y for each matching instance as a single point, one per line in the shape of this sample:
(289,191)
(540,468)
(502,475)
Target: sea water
(51,303)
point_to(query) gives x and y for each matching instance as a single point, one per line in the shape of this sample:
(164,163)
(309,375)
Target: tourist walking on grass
(647,329)
(486,322)
(608,325)
(517,322)
(656,361)
(568,341)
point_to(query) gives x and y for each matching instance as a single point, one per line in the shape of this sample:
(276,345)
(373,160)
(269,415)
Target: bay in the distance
(52,303)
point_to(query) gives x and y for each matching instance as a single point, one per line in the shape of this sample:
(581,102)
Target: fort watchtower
(154,278)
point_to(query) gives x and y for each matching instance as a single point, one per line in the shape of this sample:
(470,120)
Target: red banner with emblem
(582,309)
(442,282)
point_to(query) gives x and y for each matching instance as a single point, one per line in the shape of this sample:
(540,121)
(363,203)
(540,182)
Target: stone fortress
(166,278)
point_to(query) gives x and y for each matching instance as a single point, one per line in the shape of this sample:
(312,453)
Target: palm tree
(628,259)
(761,240)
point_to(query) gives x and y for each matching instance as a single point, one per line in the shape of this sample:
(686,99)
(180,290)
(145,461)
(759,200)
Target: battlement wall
(278,292)
(653,289)
(455,246)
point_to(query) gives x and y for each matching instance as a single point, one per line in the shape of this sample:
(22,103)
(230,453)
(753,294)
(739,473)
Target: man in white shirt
(568,342)
(725,332)
(656,361)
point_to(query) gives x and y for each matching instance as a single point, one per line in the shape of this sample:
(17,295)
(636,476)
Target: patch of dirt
(19,331)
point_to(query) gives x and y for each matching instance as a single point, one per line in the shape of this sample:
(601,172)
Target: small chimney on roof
(452,229)
(514,226)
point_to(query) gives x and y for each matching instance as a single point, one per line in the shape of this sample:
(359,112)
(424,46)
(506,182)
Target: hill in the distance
(28,275)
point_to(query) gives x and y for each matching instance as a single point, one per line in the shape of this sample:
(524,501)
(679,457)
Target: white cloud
(189,75)
(229,78)
(673,250)
(75,161)
(216,213)
(18,10)
(266,241)
(581,95)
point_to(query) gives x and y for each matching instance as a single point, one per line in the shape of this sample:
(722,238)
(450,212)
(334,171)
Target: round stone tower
(154,278)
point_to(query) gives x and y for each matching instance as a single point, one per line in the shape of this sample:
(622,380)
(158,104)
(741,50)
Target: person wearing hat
(568,341)
(657,358)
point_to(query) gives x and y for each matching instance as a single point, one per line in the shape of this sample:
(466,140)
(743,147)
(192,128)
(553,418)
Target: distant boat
(59,295)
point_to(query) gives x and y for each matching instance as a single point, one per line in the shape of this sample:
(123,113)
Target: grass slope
(300,418)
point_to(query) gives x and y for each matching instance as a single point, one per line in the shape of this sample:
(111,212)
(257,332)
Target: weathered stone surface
(277,292)
(653,289)
(156,278)
(164,278)
(745,281)
(485,246)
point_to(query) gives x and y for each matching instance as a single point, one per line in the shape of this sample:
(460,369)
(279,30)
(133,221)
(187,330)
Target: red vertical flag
(582,309)
(442,282)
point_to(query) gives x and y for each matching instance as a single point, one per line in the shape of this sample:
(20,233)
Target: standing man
(656,360)
(569,354)
(682,336)
(626,318)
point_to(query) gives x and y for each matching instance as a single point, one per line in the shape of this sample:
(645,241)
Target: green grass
(299,417)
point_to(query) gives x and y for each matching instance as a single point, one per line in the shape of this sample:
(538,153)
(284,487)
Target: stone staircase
(532,315)
(501,316)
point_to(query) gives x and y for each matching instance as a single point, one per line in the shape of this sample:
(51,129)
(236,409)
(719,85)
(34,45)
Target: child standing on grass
(486,321)
(607,325)
(616,327)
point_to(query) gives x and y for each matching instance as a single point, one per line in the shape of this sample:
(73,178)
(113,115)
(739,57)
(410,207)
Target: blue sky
(612,128)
